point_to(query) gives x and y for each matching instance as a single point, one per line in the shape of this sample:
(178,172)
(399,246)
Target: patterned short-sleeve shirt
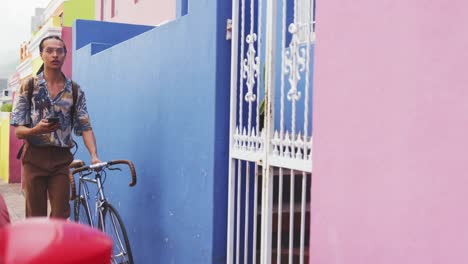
(43,106)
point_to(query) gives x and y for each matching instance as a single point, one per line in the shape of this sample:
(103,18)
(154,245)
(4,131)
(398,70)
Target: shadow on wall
(182,7)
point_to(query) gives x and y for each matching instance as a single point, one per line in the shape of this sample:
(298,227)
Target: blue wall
(161,99)
(108,34)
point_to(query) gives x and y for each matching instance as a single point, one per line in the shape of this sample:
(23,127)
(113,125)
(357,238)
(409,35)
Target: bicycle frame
(100,200)
(104,210)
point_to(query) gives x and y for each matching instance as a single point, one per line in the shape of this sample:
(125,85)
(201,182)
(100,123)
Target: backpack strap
(30,94)
(75,98)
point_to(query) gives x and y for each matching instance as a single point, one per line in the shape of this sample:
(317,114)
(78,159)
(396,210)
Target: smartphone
(52,119)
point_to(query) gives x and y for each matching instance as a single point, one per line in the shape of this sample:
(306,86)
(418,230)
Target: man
(45,124)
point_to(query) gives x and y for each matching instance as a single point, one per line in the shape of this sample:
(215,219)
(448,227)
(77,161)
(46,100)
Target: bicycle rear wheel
(81,211)
(114,227)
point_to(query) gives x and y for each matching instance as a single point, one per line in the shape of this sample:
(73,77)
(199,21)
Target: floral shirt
(43,106)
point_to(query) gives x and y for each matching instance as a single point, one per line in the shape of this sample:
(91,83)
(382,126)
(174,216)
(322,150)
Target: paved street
(14,200)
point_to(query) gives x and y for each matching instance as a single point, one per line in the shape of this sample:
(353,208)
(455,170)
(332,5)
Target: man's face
(53,54)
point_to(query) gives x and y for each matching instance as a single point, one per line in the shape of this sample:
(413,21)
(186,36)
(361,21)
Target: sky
(15,27)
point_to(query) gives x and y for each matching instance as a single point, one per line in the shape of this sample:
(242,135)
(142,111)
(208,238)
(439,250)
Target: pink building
(143,12)
(390,132)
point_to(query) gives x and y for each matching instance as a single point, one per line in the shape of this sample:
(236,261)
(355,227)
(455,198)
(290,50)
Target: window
(113,8)
(102,10)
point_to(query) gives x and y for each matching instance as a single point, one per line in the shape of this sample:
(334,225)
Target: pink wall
(145,12)
(15,164)
(67,36)
(390,132)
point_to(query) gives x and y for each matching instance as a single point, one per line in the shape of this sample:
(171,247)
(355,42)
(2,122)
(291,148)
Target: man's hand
(44,127)
(95,160)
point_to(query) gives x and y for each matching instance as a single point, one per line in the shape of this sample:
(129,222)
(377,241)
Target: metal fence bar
(255,214)
(230,231)
(303,210)
(239,188)
(267,202)
(246,221)
(306,88)
(291,217)
(259,74)
(283,69)
(280,214)
(233,117)
(250,61)
(292,73)
(241,58)
(267,183)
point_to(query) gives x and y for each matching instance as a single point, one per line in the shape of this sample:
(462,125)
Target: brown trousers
(45,171)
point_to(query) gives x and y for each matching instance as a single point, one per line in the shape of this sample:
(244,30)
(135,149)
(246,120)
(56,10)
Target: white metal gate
(271,150)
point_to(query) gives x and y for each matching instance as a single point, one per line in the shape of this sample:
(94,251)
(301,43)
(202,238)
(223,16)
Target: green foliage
(262,107)
(6,108)
(262,114)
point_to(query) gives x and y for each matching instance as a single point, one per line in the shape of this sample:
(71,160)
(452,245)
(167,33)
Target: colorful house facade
(59,16)
(55,19)
(13,165)
(4,146)
(141,12)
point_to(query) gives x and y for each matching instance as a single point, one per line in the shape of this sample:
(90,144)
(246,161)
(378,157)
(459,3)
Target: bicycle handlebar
(98,166)
(76,164)
(130,166)
(73,165)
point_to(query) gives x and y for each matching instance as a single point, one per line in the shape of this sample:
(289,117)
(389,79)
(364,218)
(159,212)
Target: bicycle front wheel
(112,224)
(81,211)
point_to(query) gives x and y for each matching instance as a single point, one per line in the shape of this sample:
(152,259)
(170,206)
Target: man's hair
(41,45)
(41,48)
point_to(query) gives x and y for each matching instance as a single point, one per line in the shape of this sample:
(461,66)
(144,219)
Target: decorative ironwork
(295,63)
(245,142)
(251,67)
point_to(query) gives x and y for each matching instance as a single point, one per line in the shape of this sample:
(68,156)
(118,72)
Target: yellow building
(56,19)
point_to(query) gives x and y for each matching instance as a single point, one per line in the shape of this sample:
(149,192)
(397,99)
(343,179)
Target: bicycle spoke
(81,211)
(113,226)
(118,236)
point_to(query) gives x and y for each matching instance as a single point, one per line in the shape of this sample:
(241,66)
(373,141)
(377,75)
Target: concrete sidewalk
(14,200)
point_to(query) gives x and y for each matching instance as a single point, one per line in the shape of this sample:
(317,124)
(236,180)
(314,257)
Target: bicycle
(106,218)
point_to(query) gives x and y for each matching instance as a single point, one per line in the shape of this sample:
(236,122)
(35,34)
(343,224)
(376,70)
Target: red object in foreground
(44,240)
(4,216)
